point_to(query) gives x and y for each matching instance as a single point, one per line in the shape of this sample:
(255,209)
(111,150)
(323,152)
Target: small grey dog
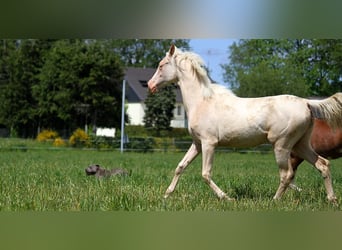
(100,172)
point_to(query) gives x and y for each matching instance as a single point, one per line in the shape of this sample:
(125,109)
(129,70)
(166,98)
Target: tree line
(303,67)
(65,83)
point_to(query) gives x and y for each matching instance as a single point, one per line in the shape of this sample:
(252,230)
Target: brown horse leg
(286,173)
(305,151)
(207,162)
(193,151)
(295,162)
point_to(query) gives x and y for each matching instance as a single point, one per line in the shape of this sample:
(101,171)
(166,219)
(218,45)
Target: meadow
(37,178)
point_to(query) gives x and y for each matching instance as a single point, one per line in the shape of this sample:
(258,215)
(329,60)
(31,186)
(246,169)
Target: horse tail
(329,110)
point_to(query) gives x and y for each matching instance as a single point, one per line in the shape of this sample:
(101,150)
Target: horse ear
(172,50)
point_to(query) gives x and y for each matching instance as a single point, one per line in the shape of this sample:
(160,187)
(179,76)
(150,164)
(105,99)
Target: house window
(143,83)
(179,110)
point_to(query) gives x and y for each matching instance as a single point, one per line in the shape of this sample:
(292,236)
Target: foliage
(135,131)
(140,144)
(79,138)
(59,142)
(21,63)
(64,84)
(159,109)
(80,79)
(145,52)
(104,142)
(142,131)
(47,135)
(283,66)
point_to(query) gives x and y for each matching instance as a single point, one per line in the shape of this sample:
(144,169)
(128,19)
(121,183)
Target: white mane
(201,73)
(198,66)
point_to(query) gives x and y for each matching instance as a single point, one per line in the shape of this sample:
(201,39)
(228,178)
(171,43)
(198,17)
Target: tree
(7,47)
(80,79)
(144,52)
(279,66)
(160,105)
(23,59)
(61,83)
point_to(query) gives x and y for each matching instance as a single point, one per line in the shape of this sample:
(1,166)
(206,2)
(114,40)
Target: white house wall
(136,112)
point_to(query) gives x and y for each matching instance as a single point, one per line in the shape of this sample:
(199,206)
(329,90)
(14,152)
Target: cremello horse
(217,117)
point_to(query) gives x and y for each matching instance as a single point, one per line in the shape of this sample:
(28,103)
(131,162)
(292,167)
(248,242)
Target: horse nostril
(152,86)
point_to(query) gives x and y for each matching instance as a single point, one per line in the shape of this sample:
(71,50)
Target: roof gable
(136,88)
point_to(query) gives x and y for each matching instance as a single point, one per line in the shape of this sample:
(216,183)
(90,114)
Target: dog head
(91,170)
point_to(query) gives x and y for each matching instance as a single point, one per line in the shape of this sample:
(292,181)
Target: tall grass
(55,180)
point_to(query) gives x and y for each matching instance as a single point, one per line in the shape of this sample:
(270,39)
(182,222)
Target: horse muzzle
(152,86)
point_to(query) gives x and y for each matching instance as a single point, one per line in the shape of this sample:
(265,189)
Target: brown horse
(326,141)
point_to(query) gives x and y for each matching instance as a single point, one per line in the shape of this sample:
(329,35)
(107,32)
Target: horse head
(166,72)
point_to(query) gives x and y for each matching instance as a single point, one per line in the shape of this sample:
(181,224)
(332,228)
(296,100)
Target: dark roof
(136,84)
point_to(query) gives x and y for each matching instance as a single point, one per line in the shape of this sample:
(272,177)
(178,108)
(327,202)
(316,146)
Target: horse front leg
(207,163)
(190,155)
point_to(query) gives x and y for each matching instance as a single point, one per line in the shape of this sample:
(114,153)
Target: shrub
(135,131)
(103,142)
(140,144)
(58,142)
(79,138)
(47,135)
(164,143)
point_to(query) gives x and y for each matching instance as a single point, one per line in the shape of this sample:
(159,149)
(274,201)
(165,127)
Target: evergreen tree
(23,61)
(160,106)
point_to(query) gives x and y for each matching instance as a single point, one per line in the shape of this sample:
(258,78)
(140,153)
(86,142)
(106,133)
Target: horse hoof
(227,198)
(333,200)
(295,187)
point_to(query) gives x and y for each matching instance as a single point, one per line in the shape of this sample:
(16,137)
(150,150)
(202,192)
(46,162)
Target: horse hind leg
(286,172)
(304,150)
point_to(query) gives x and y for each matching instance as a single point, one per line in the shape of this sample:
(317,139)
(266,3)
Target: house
(136,93)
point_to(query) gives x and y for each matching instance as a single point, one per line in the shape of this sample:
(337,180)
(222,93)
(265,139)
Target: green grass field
(43,179)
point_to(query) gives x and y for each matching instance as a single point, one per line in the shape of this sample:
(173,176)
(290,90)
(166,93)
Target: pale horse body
(217,117)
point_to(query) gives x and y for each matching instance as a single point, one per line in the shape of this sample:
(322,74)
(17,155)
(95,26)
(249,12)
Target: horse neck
(192,92)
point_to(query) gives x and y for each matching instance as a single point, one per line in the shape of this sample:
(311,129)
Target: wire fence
(143,145)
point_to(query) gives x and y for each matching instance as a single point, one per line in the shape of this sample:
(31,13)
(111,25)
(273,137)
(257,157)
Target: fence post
(123,116)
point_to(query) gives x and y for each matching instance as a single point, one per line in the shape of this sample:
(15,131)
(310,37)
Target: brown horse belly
(326,141)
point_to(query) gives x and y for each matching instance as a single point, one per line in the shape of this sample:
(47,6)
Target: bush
(140,144)
(79,139)
(58,142)
(135,131)
(141,131)
(47,135)
(103,142)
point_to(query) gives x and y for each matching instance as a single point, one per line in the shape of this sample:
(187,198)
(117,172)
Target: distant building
(136,93)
